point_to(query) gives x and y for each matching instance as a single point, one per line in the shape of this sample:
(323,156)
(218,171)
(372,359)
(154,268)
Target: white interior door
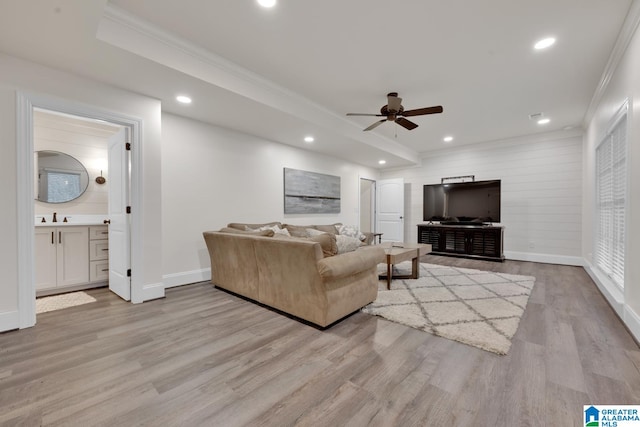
(119,228)
(390,209)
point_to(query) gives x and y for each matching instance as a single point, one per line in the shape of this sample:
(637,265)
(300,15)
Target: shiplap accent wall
(541,192)
(84,140)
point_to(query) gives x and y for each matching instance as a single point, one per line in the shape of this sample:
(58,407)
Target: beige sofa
(293,275)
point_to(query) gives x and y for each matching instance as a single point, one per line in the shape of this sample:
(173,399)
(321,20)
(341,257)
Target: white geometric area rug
(58,302)
(478,308)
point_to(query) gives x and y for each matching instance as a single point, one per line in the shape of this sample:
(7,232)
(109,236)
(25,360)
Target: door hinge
(127,146)
(128,209)
(129,273)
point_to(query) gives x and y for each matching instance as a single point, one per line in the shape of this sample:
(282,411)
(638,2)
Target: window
(611,191)
(62,186)
(57,186)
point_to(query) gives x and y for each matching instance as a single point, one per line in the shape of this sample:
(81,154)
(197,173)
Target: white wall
(27,77)
(541,191)
(624,84)
(84,140)
(213,176)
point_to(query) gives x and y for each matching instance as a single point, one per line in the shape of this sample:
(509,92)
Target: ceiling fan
(394,111)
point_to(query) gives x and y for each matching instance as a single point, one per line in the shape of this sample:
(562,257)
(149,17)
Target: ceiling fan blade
(375,125)
(393,102)
(421,111)
(407,124)
(365,114)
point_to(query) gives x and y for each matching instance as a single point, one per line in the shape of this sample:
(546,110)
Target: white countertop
(67,224)
(72,220)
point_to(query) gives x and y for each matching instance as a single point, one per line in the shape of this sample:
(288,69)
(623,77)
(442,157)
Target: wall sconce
(100,180)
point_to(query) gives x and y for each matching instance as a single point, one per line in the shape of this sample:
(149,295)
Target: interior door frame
(380,185)
(25,104)
(372,203)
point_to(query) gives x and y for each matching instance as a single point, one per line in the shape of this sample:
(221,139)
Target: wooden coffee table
(407,252)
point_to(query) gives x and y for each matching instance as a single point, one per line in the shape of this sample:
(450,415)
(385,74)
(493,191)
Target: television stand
(467,241)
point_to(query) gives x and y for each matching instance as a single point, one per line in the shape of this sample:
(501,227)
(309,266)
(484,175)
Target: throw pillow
(327,243)
(347,244)
(275,228)
(282,231)
(352,231)
(313,232)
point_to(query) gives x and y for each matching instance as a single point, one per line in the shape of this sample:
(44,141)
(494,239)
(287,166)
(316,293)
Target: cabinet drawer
(98,250)
(98,270)
(98,232)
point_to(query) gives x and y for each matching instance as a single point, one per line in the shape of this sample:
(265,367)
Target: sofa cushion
(332,228)
(327,242)
(266,233)
(351,263)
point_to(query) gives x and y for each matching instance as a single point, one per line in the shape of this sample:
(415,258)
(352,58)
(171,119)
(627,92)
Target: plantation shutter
(611,191)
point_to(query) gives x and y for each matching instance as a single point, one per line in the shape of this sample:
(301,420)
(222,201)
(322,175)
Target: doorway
(26,105)
(72,236)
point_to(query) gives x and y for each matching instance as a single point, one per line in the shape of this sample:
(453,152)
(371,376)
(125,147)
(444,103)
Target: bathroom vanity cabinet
(69,256)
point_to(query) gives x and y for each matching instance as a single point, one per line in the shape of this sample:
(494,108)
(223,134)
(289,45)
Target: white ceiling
(296,69)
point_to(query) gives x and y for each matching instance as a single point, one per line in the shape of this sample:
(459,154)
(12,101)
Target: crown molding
(625,36)
(144,28)
(128,32)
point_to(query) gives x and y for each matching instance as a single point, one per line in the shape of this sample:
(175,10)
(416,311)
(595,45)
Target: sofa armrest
(351,263)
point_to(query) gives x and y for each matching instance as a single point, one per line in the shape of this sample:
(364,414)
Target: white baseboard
(153,291)
(544,258)
(611,292)
(186,277)
(615,297)
(632,320)
(9,321)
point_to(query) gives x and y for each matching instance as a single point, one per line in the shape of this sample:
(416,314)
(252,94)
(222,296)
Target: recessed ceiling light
(543,121)
(544,43)
(267,3)
(447,139)
(183,99)
(382,162)
(309,139)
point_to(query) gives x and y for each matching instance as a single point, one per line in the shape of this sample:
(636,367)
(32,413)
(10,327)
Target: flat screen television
(472,203)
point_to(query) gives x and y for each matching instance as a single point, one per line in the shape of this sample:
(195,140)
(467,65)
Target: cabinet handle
(105,232)
(59,236)
(105,250)
(52,241)
(105,269)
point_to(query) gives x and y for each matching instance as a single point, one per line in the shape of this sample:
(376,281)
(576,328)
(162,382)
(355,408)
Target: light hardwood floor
(204,357)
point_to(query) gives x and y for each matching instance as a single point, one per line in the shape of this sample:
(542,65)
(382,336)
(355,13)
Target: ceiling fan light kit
(395,112)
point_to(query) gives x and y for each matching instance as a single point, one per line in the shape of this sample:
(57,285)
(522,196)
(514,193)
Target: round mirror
(61,178)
